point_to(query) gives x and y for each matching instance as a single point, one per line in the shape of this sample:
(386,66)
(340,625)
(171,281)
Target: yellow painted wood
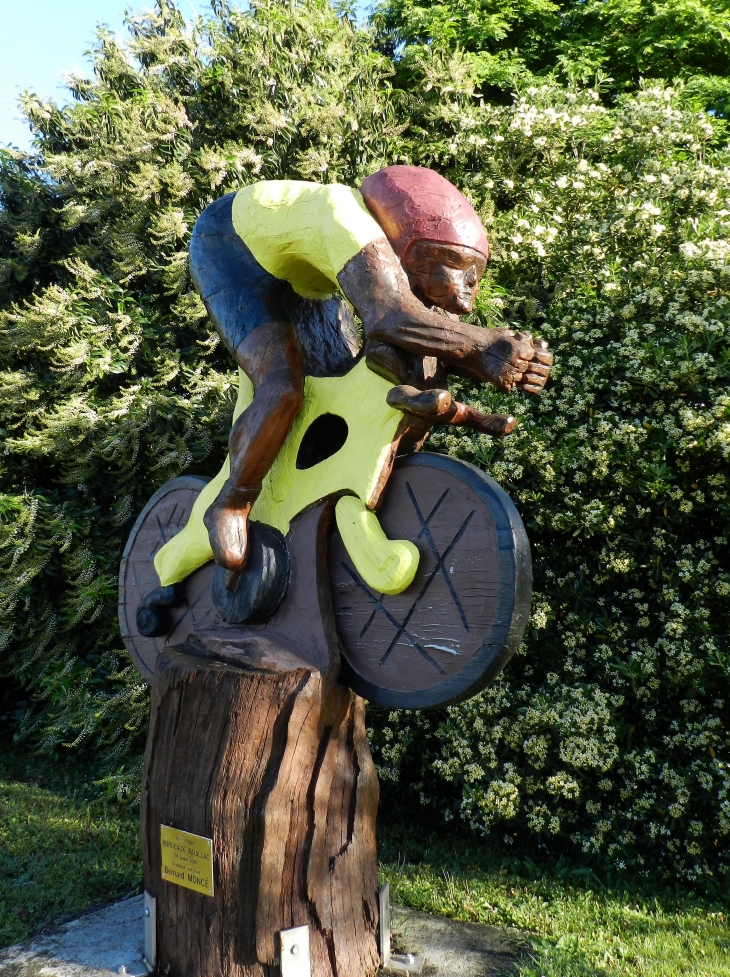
(304,232)
(190,549)
(388,566)
(360,398)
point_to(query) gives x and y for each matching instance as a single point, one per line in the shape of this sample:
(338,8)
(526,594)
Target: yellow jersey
(304,233)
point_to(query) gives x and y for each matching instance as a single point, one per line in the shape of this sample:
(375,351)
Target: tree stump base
(269,759)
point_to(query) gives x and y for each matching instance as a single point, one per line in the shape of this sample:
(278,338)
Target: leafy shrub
(606,737)
(515,44)
(112,378)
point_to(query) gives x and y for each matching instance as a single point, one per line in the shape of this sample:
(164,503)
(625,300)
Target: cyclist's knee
(292,396)
(284,392)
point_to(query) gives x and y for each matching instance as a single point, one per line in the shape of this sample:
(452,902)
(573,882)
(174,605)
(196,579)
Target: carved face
(446,275)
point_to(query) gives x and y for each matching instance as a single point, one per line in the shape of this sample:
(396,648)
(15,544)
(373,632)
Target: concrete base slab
(99,944)
(96,945)
(454,949)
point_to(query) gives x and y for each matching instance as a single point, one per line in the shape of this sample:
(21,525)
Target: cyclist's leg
(241,299)
(386,565)
(271,357)
(190,548)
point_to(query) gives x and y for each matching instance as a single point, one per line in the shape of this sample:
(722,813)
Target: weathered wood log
(270,760)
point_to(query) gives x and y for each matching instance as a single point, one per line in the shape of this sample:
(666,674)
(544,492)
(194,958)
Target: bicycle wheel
(162,518)
(285,584)
(457,625)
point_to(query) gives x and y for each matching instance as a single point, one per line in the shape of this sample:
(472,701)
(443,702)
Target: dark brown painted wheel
(162,518)
(457,625)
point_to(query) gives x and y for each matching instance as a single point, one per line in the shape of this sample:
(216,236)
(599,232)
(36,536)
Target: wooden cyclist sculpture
(407,252)
(329,562)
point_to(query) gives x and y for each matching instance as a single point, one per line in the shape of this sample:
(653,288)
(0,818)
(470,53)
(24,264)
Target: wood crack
(274,766)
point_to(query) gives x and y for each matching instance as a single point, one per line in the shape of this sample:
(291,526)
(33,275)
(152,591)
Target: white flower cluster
(608,733)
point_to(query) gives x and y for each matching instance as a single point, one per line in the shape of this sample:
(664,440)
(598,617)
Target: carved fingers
(513,360)
(505,363)
(538,368)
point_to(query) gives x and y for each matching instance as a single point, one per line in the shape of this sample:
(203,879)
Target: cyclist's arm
(378,288)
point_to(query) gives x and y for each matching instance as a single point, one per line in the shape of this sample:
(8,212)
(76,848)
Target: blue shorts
(240,295)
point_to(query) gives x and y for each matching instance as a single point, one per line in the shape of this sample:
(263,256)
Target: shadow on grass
(62,849)
(456,849)
(574,923)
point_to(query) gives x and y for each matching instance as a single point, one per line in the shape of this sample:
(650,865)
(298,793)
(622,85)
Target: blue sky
(40,39)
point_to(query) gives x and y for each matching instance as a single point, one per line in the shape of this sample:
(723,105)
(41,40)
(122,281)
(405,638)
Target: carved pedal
(262,585)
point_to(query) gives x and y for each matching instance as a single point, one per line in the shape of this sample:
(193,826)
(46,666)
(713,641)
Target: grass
(574,925)
(62,850)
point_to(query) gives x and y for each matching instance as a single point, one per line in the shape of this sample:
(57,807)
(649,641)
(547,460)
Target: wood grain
(458,623)
(272,763)
(303,625)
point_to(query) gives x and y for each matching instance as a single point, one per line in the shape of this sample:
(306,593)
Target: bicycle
(423,588)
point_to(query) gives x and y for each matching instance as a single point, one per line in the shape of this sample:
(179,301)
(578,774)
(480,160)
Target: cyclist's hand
(513,360)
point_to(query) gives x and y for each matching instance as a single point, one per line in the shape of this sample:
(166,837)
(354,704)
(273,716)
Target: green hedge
(113,380)
(606,738)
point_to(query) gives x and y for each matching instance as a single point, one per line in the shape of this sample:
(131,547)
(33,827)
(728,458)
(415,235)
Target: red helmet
(412,203)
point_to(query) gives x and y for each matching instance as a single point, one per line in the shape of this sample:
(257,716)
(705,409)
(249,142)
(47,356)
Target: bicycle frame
(357,472)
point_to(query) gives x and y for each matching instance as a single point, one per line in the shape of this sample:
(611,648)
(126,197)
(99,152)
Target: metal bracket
(145,966)
(295,960)
(150,932)
(407,963)
(384,906)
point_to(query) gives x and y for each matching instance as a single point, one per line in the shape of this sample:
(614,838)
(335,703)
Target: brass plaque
(187,859)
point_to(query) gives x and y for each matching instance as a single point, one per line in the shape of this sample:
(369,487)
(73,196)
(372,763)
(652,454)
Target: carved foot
(438,406)
(227,523)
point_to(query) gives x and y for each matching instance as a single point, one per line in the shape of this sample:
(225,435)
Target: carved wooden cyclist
(407,251)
